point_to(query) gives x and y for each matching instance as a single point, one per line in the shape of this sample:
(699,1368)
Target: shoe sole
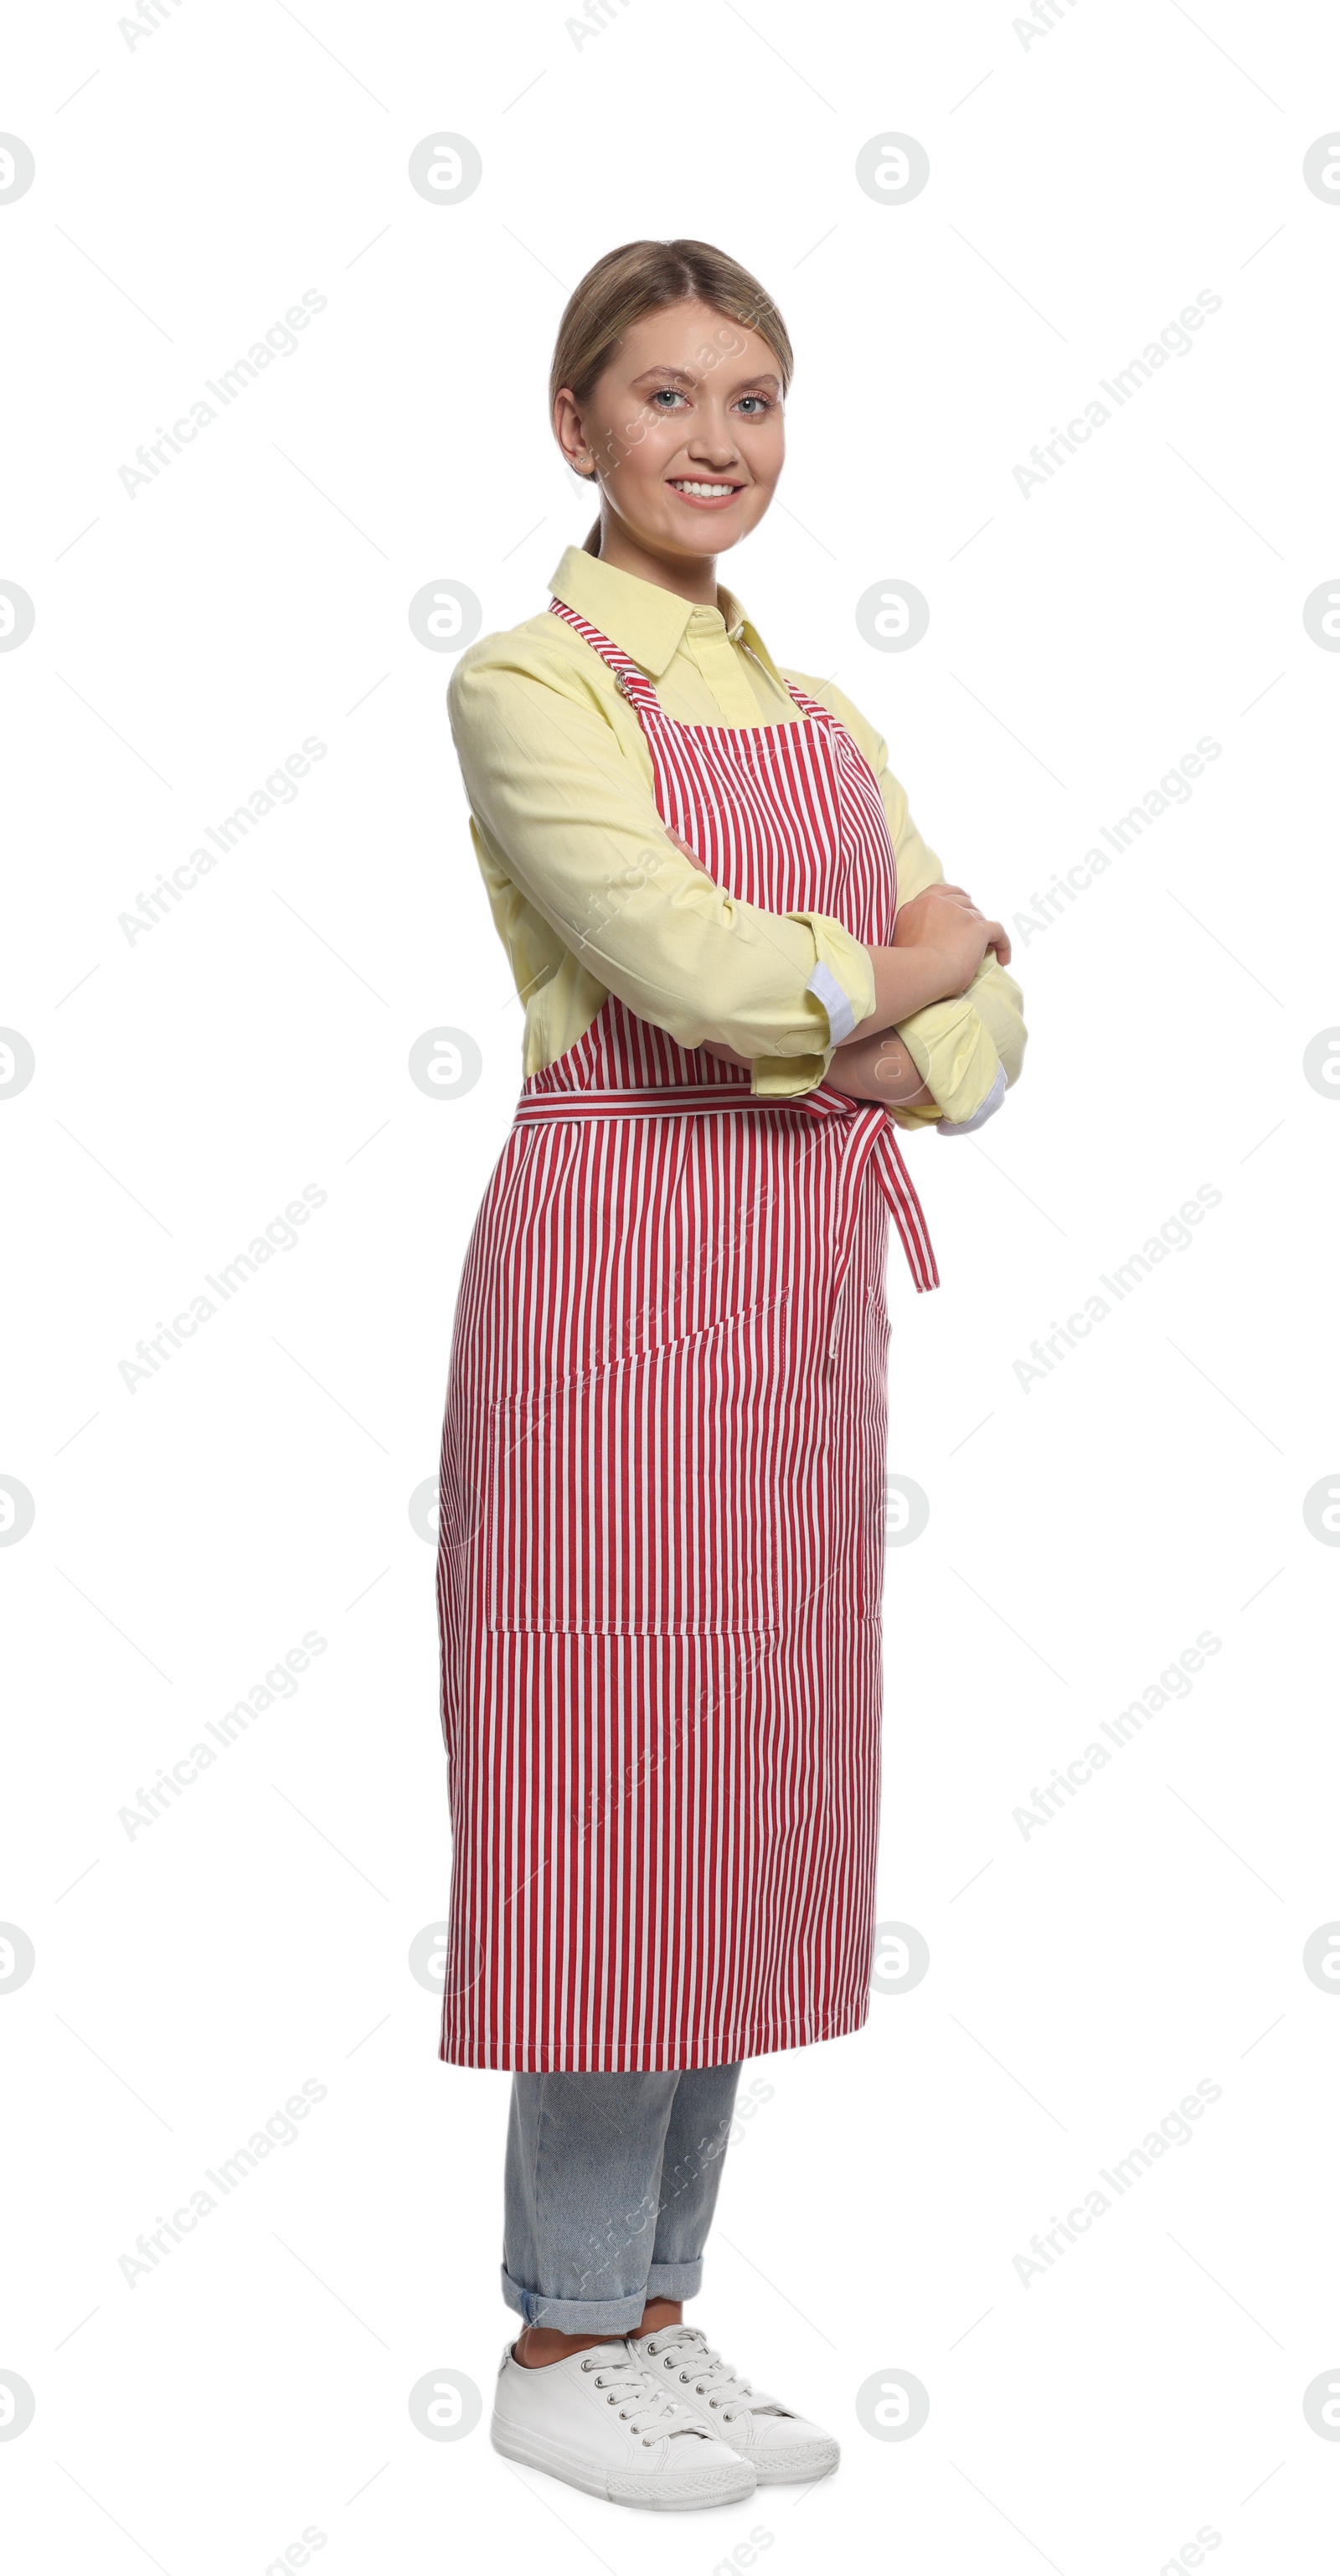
(681,2494)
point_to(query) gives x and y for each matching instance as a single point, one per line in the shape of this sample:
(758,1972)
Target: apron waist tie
(871,1140)
(871,1143)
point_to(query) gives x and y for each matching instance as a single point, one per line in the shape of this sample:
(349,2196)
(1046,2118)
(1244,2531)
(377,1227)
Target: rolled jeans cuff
(602,2316)
(675,2280)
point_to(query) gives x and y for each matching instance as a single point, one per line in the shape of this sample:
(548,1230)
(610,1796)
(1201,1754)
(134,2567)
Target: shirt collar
(646,622)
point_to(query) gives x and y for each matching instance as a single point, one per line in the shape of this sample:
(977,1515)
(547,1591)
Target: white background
(1084,187)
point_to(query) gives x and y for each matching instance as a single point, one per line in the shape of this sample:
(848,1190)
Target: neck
(688,576)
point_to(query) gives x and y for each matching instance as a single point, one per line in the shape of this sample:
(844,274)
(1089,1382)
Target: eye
(667,394)
(761,402)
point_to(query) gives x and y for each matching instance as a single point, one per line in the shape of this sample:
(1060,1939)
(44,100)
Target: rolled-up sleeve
(969,1049)
(963,1046)
(563,813)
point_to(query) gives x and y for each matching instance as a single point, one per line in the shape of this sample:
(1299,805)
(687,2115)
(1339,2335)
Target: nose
(712,442)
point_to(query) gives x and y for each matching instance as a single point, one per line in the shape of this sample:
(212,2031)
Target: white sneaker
(783,2447)
(604,2421)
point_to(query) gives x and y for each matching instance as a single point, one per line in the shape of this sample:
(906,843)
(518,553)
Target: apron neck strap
(637,687)
(634,683)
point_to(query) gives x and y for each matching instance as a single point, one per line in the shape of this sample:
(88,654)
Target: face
(684,429)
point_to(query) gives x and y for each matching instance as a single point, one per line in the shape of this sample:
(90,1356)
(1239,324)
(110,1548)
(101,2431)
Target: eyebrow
(684,376)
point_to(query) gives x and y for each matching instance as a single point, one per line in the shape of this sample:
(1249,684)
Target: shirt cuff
(824,985)
(786,1077)
(954,1056)
(843,979)
(965,1126)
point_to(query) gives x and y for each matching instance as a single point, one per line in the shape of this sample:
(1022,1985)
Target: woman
(663,1453)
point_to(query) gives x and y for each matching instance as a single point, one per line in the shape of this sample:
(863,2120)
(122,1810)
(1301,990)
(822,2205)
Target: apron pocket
(634,1498)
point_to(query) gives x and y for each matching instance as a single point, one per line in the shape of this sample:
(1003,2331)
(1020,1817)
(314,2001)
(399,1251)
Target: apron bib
(661,1499)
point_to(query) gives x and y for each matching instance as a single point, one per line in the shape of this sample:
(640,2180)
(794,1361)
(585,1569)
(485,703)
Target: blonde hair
(640,278)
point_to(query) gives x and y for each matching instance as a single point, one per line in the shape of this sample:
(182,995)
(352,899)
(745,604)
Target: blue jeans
(609,2188)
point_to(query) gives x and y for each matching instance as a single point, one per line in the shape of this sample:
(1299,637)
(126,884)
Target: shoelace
(703,2368)
(644,2402)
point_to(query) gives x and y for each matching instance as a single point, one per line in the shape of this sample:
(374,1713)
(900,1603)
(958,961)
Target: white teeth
(706,491)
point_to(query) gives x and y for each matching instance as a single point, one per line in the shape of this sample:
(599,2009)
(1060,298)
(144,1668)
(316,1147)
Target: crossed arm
(588,897)
(939,941)
(941,937)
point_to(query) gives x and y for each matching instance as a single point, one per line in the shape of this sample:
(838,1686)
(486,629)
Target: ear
(567,426)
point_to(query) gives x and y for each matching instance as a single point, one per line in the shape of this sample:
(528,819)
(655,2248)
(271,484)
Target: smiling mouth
(690,489)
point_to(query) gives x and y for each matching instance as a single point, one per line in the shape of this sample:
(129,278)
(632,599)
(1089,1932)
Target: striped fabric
(661,1527)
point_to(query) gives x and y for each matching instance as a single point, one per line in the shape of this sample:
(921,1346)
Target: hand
(946,921)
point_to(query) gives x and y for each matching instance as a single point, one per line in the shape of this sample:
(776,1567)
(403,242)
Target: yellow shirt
(590,896)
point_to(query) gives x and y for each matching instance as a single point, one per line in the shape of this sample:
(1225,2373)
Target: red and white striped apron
(661,1531)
